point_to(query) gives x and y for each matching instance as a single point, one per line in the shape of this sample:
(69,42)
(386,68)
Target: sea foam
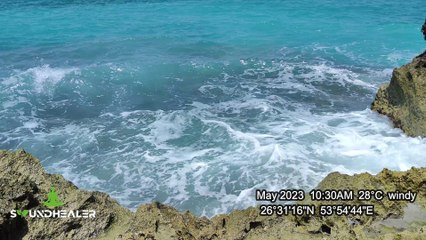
(272,125)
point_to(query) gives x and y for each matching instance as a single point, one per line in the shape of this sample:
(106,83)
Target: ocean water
(198,103)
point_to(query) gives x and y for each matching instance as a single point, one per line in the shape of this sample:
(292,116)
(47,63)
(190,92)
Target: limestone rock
(24,185)
(403,100)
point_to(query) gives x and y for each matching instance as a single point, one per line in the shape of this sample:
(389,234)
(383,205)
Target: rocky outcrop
(25,185)
(403,100)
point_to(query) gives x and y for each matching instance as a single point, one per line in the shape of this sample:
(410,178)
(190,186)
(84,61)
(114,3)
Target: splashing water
(197,104)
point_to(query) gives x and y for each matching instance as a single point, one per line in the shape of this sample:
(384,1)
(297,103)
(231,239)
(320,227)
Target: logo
(53,201)
(22,213)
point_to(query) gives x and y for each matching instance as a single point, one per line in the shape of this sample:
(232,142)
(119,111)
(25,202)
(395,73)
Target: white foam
(31,124)
(42,78)
(212,156)
(294,153)
(46,76)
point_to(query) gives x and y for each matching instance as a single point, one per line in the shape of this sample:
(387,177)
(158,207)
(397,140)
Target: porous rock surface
(403,100)
(24,185)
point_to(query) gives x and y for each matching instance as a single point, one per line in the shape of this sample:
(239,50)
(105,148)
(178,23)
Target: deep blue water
(197,103)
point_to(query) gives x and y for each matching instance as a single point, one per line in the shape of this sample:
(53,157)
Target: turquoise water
(198,103)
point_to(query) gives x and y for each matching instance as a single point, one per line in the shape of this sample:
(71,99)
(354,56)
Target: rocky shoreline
(24,184)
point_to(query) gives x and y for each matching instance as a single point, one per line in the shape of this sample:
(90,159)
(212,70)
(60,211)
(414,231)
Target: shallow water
(198,103)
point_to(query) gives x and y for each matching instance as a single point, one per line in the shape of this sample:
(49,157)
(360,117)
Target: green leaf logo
(22,213)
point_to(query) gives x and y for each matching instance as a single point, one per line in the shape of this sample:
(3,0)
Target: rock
(403,100)
(25,185)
